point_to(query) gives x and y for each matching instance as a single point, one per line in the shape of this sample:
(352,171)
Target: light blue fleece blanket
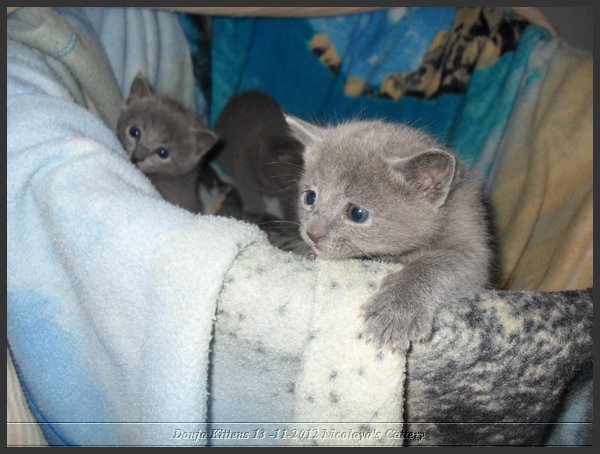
(134,322)
(109,287)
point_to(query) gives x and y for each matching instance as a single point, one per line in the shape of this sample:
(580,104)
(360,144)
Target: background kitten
(264,161)
(386,191)
(165,141)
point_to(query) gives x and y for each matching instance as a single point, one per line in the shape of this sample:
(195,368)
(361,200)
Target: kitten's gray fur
(264,160)
(163,122)
(425,211)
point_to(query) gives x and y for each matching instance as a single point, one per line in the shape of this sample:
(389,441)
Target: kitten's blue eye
(135,132)
(310,197)
(162,153)
(357,214)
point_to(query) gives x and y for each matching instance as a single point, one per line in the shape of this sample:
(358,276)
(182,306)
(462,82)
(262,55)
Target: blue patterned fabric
(313,66)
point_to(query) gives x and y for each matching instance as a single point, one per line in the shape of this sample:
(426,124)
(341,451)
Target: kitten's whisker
(292,183)
(294,180)
(297,224)
(286,188)
(283,175)
(291,164)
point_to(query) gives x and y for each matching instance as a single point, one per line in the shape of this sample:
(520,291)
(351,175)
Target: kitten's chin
(321,251)
(324,253)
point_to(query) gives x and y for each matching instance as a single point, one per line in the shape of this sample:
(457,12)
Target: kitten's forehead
(159,117)
(360,151)
(340,175)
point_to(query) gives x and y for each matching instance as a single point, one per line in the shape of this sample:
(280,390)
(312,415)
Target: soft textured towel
(299,352)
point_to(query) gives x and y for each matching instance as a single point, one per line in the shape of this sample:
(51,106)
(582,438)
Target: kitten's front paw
(392,319)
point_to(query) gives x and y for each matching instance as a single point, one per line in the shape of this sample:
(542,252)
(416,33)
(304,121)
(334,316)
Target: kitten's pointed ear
(206,139)
(431,171)
(303,131)
(140,88)
(282,146)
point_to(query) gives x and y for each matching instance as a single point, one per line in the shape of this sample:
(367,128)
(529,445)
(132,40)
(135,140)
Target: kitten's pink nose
(316,233)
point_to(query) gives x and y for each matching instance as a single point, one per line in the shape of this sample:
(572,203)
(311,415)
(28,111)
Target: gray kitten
(385,191)
(165,141)
(264,161)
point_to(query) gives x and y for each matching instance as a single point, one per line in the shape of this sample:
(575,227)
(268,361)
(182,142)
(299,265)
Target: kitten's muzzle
(139,154)
(316,234)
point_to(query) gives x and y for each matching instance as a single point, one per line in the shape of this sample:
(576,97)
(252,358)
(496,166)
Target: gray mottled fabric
(498,369)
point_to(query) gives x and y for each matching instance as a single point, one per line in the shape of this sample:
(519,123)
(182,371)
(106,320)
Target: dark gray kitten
(264,161)
(385,191)
(165,141)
